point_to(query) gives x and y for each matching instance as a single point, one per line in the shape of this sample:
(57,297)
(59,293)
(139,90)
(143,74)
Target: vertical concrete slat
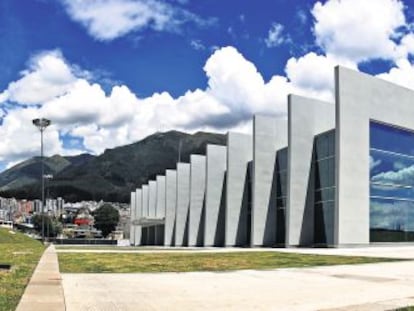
(215,191)
(197,200)
(239,154)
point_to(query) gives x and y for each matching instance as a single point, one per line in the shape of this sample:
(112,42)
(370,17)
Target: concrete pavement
(381,286)
(44,291)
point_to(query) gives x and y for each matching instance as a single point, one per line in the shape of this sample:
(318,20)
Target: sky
(111,72)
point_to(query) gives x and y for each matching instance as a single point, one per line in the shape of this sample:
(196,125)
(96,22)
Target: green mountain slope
(110,176)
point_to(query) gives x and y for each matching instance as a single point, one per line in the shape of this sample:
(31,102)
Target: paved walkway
(381,286)
(44,291)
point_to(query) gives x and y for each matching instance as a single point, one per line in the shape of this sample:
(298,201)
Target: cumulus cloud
(404,176)
(402,74)
(106,20)
(82,109)
(359,30)
(48,76)
(313,74)
(275,36)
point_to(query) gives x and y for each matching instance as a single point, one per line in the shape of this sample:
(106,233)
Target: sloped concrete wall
(197,200)
(239,154)
(138,215)
(306,118)
(215,195)
(132,217)
(183,204)
(269,135)
(170,206)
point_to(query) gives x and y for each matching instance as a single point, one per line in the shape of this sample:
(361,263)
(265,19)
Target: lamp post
(42,124)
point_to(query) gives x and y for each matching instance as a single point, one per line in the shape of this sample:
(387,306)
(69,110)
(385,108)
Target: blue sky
(110,72)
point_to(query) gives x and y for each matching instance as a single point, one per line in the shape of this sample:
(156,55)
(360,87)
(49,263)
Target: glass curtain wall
(281,191)
(391,159)
(323,167)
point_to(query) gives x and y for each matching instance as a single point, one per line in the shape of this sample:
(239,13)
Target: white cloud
(48,76)
(106,20)
(402,74)
(197,45)
(373,163)
(235,91)
(275,36)
(359,30)
(404,176)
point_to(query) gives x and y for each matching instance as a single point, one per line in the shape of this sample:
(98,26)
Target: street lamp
(42,124)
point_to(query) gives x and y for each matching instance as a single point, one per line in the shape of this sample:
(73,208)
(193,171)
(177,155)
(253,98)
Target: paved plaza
(380,286)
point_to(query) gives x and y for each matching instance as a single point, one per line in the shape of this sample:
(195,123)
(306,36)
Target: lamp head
(41,123)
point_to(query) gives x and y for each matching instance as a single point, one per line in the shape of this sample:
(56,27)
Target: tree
(52,227)
(106,218)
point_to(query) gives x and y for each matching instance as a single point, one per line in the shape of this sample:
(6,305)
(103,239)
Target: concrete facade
(170,206)
(359,99)
(269,135)
(138,215)
(197,200)
(239,155)
(145,240)
(160,204)
(304,181)
(132,219)
(145,203)
(314,117)
(215,195)
(183,204)
(152,198)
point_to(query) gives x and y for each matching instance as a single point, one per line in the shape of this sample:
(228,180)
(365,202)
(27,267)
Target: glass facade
(323,170)
(391,184)
(281,192)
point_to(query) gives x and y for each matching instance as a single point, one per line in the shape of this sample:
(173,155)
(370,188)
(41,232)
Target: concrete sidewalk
(44,291)
(366,287)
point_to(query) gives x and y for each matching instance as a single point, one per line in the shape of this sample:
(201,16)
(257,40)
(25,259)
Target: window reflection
(323,167)
(281,191)
(391,184)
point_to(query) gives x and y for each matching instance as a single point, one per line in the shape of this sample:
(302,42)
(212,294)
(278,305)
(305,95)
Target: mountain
(110,176)
(29,171)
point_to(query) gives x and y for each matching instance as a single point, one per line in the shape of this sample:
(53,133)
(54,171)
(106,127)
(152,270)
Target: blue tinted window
(391,138)
(391,184)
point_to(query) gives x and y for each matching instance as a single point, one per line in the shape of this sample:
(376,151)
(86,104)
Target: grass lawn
(185,262)
(116,248)
(23,254)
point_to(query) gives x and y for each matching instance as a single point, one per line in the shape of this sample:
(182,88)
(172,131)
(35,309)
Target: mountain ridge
(110,176)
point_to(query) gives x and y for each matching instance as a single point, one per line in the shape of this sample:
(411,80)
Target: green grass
(115,248)
(23,254)
(185,262)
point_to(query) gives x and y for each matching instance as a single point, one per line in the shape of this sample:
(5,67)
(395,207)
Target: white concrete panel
(239,154)
(160,205)
(145,203)
(152,198)
(359,98)
(132,218)
(215,195)
(197,200)
(138,215)
(170,206)
(306,118)
(183,204)
(269,135)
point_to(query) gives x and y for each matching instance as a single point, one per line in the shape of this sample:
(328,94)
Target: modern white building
(331,174)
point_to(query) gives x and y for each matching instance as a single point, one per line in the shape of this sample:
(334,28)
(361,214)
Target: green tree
(52,226)
(106,218)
